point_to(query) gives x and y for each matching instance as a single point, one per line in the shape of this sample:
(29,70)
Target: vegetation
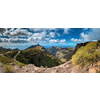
(21,64)
(4,51)
(37,57)
(46,66)
(11,54)
(22,58)
(87,55)
(6,59)
(2,65)
(9,69)
(65,54)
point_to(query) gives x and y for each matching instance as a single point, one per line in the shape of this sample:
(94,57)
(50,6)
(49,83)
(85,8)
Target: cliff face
(80,45)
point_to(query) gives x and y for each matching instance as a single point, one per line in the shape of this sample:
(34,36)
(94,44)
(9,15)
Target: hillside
(3,50)
(64,54)
(38,56)
(38,60)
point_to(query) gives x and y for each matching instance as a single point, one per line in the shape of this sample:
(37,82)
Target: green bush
(46,66)
(9,69)
(2,65)
(21,64)
(87,55)
(6,59)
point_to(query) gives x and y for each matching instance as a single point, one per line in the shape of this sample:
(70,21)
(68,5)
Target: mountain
(53,49)
(4,50)
(7,49)
(34,46)
(1,48)
(36,59)
(38,56)
(16,49)
(85,60)
(64,54)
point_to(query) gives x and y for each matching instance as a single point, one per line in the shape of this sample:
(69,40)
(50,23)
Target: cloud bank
(32,35)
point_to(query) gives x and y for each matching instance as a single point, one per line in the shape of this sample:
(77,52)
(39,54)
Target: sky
(22,38)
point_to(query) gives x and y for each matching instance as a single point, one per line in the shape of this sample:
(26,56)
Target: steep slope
(87,55)
(67,67)
(81,44)
(64,54)
(38,56)
(3,50)
(85,60)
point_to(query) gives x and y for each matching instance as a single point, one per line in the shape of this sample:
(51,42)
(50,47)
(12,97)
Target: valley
(36,59)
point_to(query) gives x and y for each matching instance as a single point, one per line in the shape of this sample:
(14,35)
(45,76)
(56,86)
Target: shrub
(6,59)
(87,55)
(2,65)
(9,69)
(21,64)
(46,66)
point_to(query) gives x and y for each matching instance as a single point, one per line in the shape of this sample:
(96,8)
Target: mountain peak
(34,46)
(37,45)
(52,47)
(1,48)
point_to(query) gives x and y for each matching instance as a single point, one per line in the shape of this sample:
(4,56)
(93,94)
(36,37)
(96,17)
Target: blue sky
(62,37)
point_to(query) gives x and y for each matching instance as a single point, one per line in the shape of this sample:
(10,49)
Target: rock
(41,66)
(93,70)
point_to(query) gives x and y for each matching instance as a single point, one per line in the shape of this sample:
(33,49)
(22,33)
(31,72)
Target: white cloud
(76,40)
(57,41)
(17,33)
(41,29)
(52,34)
(84,36)
(12,40)
(2,30)
(94,35)
(42,34)
(38,37)
(63,41)
(17,40)
(58,34)
(3,40)
(54,41)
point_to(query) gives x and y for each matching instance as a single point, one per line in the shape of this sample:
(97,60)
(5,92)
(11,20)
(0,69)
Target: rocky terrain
(68,67)
(9,58)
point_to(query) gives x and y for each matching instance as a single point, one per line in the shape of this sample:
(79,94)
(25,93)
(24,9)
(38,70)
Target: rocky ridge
(67,67)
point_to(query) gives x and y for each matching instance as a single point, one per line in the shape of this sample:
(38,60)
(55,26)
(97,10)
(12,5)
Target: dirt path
(16,56)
